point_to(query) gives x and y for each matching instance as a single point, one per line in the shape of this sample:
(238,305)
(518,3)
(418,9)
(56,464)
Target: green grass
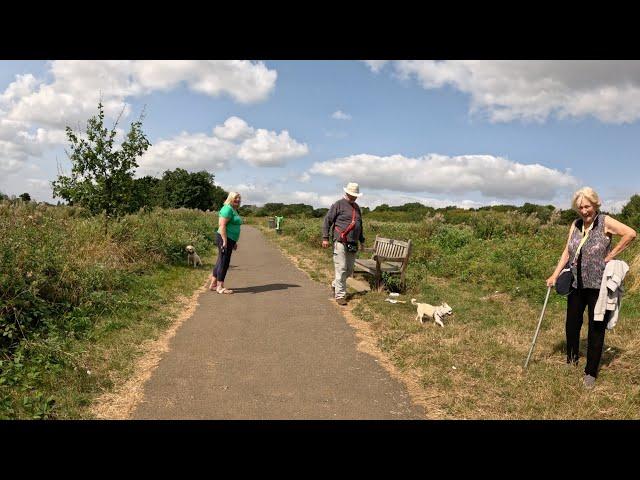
(493,277)
(142,313)
(76,306)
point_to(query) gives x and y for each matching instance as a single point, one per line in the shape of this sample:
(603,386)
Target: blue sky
(437,132)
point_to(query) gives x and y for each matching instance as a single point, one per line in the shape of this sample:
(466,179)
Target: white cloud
(376,65)
(192,152)
(244,81)
(7,163)
(34,112)
(233,128)
(614,206)
(340,115)
(24,85)
(270,149)
(491,176)
(73,94)
(535,90)
(232,141)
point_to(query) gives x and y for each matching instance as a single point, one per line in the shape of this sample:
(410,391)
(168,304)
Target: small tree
(102,175)
(25,197)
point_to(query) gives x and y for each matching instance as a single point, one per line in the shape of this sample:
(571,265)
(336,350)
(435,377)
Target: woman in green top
(227,240)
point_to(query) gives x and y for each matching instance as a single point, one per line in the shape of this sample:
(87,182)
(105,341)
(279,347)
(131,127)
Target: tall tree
(102,173)
(180,188)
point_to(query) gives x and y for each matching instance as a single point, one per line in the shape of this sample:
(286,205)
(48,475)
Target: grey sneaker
(341,301)
(589,381)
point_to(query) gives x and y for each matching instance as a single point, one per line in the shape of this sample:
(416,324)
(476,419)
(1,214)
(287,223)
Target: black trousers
(576,303)
(224,258)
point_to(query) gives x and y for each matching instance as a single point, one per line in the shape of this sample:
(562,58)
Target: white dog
(192,256)
(437,313)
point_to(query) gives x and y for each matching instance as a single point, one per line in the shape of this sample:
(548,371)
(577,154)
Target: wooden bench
(389,256)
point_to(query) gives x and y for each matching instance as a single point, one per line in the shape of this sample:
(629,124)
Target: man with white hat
(343,223)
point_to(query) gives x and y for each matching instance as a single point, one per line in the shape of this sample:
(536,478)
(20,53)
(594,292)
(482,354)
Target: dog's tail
(413,301)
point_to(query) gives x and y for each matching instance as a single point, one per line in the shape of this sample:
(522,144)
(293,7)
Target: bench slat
(370,265)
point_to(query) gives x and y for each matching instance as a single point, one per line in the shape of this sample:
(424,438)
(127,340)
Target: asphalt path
(278,348)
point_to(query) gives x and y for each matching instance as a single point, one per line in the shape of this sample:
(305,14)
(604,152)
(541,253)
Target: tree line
(630,213)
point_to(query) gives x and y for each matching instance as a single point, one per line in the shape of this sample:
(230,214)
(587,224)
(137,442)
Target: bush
(450,237)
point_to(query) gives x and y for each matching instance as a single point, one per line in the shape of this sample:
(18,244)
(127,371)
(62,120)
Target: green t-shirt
(233,226)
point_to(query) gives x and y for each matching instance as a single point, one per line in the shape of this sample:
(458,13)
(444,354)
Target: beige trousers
(343,262)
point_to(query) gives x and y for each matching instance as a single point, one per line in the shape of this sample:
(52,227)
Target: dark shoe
(341,301)
(589,381)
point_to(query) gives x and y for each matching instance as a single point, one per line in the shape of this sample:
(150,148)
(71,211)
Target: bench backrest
(389,247)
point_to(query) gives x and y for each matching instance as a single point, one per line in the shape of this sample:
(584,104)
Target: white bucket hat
(352,189)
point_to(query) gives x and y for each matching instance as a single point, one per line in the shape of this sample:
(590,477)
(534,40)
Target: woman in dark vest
(589,248)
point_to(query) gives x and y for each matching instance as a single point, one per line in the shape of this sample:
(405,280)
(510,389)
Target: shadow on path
(264,288)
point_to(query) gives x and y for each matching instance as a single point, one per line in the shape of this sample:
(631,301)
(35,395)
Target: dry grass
(473,367)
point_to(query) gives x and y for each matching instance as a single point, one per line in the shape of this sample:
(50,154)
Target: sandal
(213,288)
(225,291)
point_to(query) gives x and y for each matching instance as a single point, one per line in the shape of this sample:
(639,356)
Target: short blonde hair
(231,197)
(587,193)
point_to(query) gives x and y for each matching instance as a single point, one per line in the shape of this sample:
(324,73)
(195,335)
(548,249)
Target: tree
(25,197)
(102,173)
(146,194)
(631,212)
(181,189)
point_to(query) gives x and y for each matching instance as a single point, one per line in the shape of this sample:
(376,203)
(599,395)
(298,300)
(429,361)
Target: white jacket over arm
(611,292)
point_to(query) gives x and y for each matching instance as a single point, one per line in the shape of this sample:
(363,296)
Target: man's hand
(325,243)
(235,246)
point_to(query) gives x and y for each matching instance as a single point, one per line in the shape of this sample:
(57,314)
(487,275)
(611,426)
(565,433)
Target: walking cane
(537,329)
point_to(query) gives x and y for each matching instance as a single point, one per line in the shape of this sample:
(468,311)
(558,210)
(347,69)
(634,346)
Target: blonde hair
(587,193)
(231,197)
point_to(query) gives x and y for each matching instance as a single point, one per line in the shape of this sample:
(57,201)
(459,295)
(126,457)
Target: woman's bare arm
(628,234)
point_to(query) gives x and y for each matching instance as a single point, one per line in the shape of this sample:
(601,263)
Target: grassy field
(76,306)
(491,269)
